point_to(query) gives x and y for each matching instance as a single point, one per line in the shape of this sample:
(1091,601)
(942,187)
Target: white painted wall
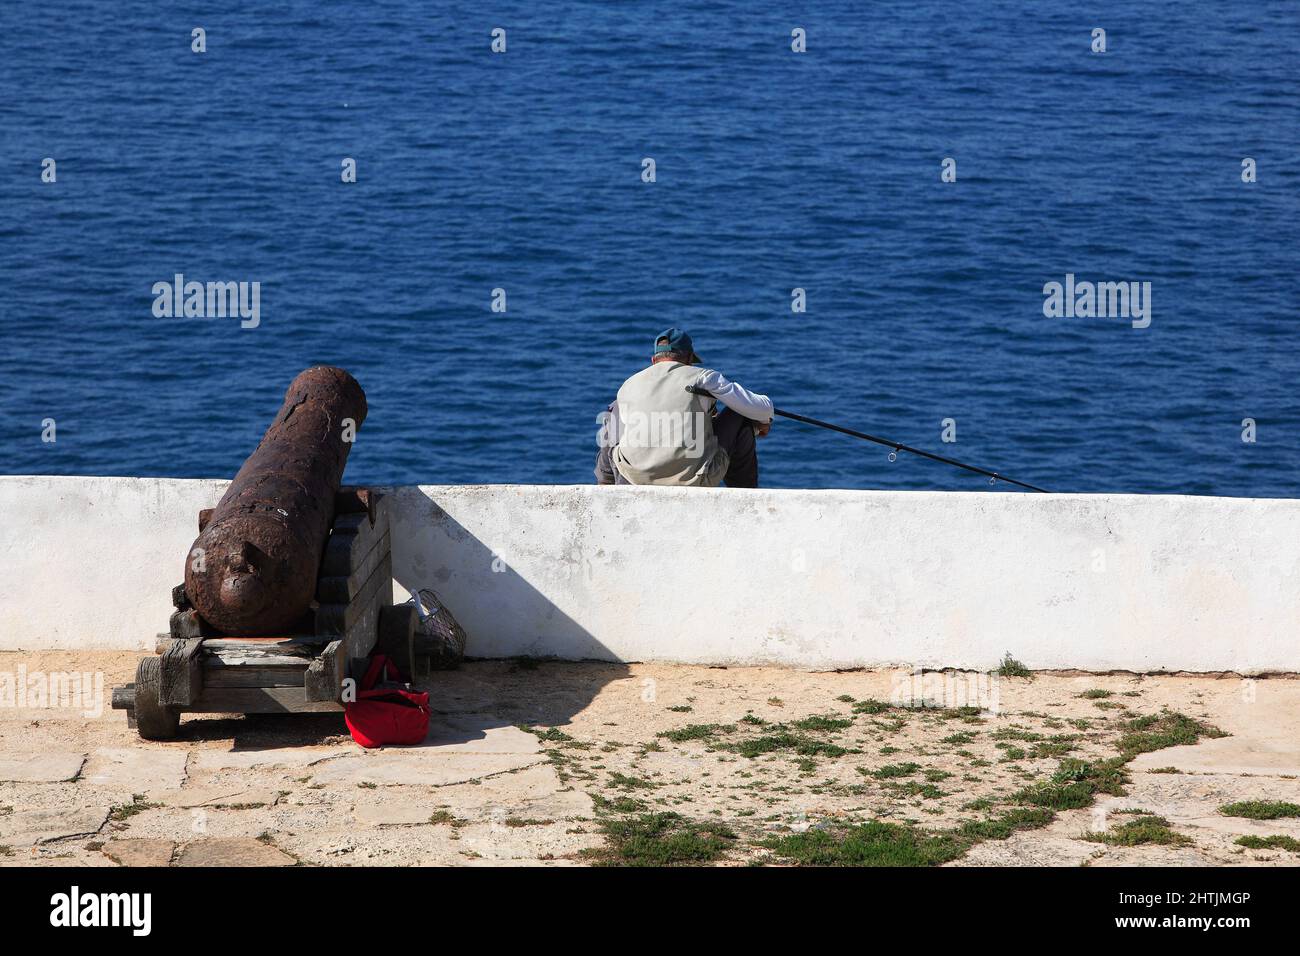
(814,579)
(91,562)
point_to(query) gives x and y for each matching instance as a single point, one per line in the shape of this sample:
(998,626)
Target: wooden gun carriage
(196,670)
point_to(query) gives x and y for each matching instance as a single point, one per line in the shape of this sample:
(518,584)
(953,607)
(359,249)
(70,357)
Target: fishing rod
(897,446)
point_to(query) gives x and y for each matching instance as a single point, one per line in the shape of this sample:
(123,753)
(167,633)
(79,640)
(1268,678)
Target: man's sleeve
(736,397)
(606,439)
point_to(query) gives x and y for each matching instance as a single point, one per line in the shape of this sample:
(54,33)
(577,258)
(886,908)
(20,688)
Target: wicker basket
(439,638)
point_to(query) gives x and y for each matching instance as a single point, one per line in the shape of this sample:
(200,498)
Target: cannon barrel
(252,570)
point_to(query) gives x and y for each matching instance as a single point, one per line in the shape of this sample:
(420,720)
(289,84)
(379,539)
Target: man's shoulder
(665,369)
(639,374)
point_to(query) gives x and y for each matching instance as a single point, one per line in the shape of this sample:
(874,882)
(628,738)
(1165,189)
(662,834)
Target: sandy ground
(495,784)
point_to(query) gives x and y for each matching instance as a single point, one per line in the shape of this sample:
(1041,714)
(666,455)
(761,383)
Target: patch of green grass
(617,804)
(870,706)
(440,817)
(961,737)
(753,721)
(1051,748)
(999,828)
(770,743)
(822,723)
(1016,733)
(1096,694)
(1075,783)
(1164,770)
(1145,829)
(1010,667)
(682,709)
(696,732)
(891,770)
(869,844)
(661,839)
(624,782)
(1158,731)
(1270,843)
(552,734)
(845,699)
(124,811)
(1260,809)
(961,713)
(516,822)
(894,844)
(911,788)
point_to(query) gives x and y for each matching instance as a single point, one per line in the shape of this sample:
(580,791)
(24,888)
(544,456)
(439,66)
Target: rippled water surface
(775,170)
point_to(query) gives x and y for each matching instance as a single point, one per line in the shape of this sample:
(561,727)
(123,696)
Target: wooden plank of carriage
(351,499)
(359,616)
(324,677)
(351,540)
(236,662)
(182,672)
(260,700)
(342,589)
(355,626)
(354,587)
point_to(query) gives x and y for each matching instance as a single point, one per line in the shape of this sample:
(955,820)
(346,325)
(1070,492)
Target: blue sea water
(775,170)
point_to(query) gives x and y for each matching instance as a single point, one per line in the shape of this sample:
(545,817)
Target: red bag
(389,714)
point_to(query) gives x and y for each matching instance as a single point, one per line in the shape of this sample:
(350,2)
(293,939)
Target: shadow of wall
(498,608)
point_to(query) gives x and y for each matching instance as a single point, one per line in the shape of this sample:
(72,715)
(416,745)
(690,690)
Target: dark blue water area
(775,170)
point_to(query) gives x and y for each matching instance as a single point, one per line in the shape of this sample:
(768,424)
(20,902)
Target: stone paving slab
(416,768)
(531,792)
(41,768)
(46,825)
(479,737)
(1229,755)
(393,813)
(287,757)
(136,769)
(140,852)
(232,852)
(216,796)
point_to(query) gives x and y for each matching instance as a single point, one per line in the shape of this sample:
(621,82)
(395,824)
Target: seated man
(661,431)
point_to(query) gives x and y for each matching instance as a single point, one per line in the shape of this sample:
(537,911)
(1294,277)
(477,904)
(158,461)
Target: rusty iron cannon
(288,588)
(252,570)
